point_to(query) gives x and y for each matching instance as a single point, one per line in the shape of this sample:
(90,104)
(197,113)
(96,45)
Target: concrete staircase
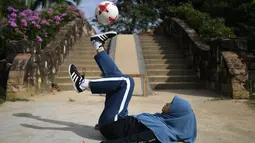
(82,55)
(165,64)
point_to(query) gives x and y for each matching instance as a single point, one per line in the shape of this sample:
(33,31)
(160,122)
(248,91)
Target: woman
(176,123)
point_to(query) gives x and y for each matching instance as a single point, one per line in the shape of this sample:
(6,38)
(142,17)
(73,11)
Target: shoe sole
(71,79)
(110,32)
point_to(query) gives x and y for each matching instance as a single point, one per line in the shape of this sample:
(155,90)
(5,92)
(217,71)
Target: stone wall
(4,68)
(220,63)
(251,82)
(33,69)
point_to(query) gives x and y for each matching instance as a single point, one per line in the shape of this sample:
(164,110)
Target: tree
(46,3)
(238,14)
(133,17)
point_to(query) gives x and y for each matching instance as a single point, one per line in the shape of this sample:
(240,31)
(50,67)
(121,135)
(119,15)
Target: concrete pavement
(55,119)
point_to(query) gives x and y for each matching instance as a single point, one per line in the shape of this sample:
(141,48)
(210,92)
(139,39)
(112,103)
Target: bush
(205,26)
(35,25)
(2,101)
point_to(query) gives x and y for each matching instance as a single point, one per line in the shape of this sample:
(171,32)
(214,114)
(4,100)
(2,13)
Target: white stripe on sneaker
(72,75)
(104,37)
(76,78)
(101,38)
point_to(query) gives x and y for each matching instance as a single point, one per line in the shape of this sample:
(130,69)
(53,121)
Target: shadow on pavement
(81,130)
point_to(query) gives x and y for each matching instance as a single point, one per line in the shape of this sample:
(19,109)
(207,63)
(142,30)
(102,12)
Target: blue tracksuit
(118,88)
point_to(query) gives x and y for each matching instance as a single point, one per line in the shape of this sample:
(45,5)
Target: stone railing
(4,68)
(33,69)
(251,82)
(220,63)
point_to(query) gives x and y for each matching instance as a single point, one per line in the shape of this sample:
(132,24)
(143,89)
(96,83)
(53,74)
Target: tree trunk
(1,12)
(29,3)
(47,4)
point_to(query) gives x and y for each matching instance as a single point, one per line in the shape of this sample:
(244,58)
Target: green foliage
(2,45)
(238,14)
(132,17)
(2,94)
(37,26)
(18,99)
(2,101)
(145,14)
(202,23)
(47,3)
(18,4)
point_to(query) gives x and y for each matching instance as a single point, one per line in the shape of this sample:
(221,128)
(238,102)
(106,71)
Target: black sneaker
(76,77)
(103,36)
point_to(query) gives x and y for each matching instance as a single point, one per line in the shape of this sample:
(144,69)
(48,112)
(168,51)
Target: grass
(2,101)
(220,98)
(18,99)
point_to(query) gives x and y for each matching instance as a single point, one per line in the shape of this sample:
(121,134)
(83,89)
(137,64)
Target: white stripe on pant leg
(124,98)
(125,94)
(108,79)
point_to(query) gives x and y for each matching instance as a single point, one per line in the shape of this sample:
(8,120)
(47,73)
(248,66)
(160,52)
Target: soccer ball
(106,13)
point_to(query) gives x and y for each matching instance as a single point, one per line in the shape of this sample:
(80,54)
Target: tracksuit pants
(114,122)
(117,87)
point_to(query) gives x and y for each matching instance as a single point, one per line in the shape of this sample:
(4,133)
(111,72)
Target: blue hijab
(179,124)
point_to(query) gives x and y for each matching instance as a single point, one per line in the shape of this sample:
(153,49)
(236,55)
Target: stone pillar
(239,75)
(17,83)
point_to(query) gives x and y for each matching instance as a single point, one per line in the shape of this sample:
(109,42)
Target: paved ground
(55,119)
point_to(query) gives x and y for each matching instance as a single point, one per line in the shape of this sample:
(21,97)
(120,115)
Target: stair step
(83,49)
(66,79)
(85,57)
(153,38)
(91,49)
(88,72)
(84,46)
(80,54)
(175,85)
(81,62)
(155,71)
(91,67)
(161,51)
(159,45)
(80,66)
(65,86)
(156,48)
(173,78)
(166,66)
(164,61)
(84,52)
(153,41)
(162,56)
(87,42)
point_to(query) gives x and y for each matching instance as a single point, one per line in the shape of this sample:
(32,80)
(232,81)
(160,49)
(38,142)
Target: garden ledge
(33,69)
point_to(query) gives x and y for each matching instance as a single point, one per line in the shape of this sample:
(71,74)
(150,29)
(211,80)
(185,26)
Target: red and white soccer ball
(106,13)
